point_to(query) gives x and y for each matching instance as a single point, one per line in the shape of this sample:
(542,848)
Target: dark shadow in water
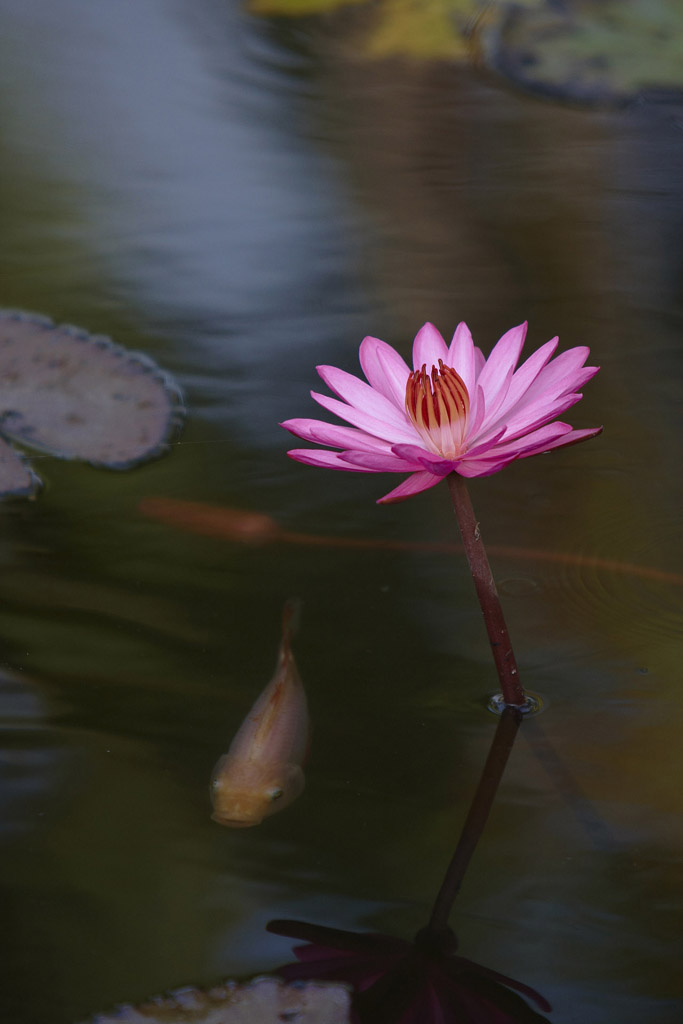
(398,982)
(246,527)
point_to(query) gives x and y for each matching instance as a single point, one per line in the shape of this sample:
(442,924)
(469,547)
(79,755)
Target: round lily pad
(81,396)
(264,1001)
(588,52)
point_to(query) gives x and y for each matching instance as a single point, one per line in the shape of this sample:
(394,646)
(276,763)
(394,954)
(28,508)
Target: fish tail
(291,617)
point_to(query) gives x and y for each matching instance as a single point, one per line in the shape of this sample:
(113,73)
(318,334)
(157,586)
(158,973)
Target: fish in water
(262,771)
(256,528)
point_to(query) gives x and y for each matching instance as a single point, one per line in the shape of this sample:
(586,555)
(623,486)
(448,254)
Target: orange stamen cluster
(438,405)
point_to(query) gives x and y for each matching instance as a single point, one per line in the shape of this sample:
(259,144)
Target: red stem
(477,816)
(503,655)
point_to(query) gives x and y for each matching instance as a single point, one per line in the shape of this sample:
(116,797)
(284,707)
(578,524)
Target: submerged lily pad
(589,52)
(78,396)
(264,1001)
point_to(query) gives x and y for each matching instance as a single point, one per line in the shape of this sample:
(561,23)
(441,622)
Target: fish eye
(275,794)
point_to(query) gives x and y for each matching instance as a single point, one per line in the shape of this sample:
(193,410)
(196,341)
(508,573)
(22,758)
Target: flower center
(438,405)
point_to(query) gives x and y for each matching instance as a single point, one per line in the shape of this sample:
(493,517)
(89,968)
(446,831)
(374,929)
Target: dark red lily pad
(80,396)
(264,1001)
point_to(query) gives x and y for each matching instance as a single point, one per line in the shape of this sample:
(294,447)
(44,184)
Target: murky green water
(243,201)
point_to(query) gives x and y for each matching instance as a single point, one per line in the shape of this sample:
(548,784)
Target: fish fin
(296,781)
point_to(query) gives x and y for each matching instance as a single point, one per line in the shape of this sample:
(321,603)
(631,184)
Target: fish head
(243,793)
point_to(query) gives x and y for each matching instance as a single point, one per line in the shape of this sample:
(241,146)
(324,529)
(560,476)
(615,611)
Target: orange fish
(256,528)
(262,771)
(211,520)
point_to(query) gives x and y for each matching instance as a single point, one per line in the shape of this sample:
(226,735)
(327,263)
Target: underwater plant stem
(503,655)
(477,816)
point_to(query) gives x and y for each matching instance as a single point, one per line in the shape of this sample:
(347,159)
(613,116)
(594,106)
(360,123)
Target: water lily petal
(538,413)
(414,451)
(496,374)
(559,374)
(379,462)
(524,377)
(370,424)
(477,414)
(334,435)
(425,460)
(545,439)
(493,400)
(362,396)
(428,348)
(574,437)
(461,357)
(321,457)
(537,440)
(582,377)
(483,467)
(413,485)
(481,449)
(528,405)
(561,386)
(386,370)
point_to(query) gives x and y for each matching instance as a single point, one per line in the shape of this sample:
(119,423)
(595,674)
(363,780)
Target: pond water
(242,199)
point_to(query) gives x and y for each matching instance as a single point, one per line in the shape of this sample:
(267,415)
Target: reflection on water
(30,752)
(245,527)
(242,200)
(202,202)
(391,981)
(396,982)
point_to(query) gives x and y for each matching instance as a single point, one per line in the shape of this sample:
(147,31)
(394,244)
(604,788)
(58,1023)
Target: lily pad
(413,29)
(78,396)
(16,478)
(591,52)
(297,8)
(264,1001)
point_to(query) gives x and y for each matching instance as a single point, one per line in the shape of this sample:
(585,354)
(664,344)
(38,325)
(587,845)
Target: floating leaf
(264,1001)
(15,476)
(297,8)
(418,29)
(606,52)
(78,396)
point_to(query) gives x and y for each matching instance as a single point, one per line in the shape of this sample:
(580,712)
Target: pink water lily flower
(455,411)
